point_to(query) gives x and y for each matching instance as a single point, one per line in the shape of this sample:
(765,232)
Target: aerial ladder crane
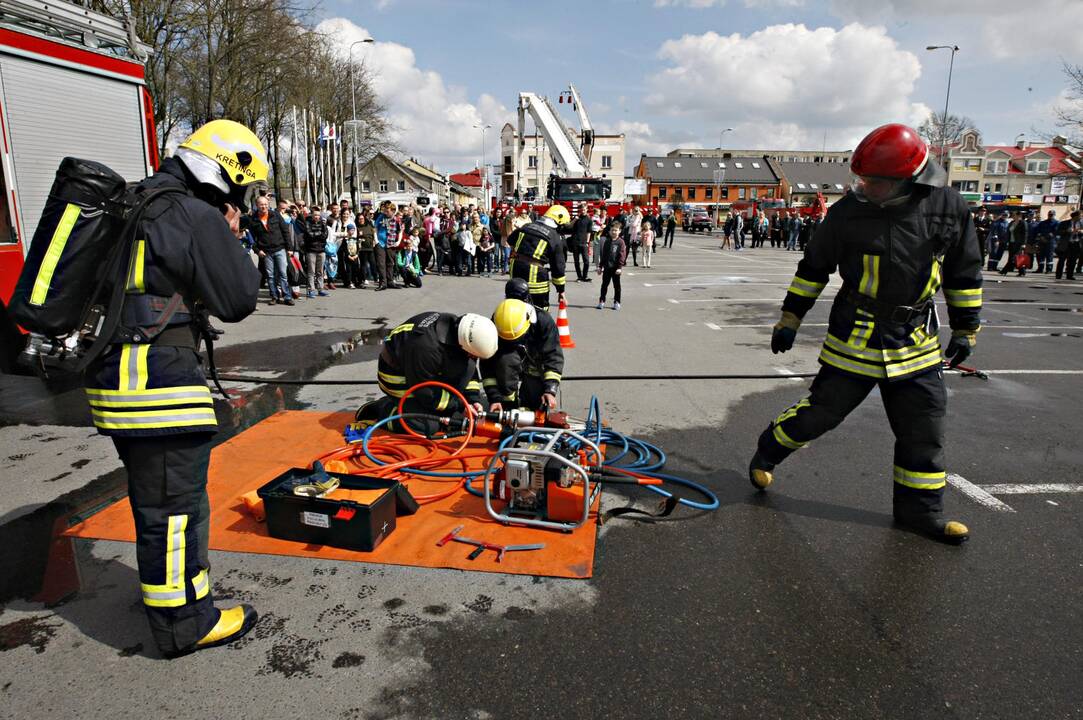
(571,182)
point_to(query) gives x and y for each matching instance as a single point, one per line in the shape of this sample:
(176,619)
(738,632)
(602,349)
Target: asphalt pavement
(804,602)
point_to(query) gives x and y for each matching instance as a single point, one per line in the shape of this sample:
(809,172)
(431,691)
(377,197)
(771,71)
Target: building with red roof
(1026,175)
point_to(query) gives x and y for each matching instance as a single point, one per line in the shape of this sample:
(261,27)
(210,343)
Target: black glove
(961,346)
(784,333)
(782,339)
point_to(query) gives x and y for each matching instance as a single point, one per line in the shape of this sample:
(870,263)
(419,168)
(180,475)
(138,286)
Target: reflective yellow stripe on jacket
(963,298)
(806,288)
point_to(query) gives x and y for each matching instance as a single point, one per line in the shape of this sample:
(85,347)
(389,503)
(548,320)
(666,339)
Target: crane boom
(587,142)
(569,159)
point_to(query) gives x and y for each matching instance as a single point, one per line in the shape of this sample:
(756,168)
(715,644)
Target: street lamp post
(353,112)
(483,174)
(720,178)
(947,96)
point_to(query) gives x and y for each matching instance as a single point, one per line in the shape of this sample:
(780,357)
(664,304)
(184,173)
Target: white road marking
(1031,327)
(675,302)
(712,326)
(977,494)
(1034,372)
(1035,489)
(1053,503)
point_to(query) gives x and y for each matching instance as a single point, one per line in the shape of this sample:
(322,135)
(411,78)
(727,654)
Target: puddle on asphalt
(46,570)
(371,337)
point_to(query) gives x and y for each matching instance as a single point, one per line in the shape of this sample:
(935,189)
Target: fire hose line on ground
(964,370)
(637,461)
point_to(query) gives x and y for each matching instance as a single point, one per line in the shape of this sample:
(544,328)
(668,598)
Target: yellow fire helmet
(558,214)
(513,318)
(232,147)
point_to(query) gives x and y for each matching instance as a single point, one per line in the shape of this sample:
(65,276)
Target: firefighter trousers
(537,279)
(167,487)
(915,408)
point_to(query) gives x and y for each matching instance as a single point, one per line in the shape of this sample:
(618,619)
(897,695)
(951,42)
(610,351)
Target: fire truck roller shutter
(53,112)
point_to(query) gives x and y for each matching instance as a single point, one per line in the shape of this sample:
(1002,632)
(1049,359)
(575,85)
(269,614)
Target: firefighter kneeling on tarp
(895,240)
(527,366)
(431,346)
(152,397)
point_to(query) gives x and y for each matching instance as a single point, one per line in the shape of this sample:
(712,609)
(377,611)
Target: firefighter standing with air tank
(895,240)
(151,396)
(537,254)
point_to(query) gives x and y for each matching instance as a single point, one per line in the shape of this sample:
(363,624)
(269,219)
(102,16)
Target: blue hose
(649,459)
(645,462)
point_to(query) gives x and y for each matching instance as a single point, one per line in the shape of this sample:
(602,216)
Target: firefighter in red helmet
(896,240)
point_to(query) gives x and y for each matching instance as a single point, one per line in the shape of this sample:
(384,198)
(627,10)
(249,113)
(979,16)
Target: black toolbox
(328,521)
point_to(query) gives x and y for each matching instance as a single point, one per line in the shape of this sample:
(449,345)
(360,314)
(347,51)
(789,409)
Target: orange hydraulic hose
(393,447)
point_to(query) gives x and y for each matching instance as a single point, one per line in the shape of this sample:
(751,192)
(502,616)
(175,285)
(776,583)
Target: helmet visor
(879,190)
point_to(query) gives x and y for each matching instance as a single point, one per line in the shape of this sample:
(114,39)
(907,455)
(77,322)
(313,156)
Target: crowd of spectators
(1023,242)
(305,251)
(785,230)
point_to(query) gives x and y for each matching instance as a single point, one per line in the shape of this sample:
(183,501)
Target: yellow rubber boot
(759,472)
(933,525)
(233,624)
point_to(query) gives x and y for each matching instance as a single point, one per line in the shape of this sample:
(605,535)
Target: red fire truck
(71,84)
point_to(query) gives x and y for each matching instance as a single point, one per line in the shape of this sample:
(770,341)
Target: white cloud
(788,84)
(1006,28)
(434,121)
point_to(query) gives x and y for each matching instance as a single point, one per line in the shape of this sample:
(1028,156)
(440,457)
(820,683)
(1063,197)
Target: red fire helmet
(890,151)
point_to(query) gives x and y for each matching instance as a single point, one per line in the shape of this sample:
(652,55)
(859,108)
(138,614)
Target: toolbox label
(315,519)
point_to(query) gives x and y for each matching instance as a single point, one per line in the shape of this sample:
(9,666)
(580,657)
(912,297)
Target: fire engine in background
(571,183)
(71,84)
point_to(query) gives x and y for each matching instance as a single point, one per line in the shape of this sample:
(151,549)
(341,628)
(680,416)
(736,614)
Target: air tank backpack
(71,289)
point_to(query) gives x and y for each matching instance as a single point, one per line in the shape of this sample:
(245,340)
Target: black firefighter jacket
(184,246)
(536,246)
(426,347)
(537,354)
(901,256)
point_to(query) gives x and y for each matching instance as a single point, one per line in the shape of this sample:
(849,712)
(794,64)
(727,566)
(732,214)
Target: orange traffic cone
(563,328)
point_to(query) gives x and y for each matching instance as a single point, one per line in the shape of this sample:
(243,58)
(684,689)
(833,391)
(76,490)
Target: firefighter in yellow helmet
(537,254)
(527,366)
(148,392)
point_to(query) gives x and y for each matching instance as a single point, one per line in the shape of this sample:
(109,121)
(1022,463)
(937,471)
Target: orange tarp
(293,439)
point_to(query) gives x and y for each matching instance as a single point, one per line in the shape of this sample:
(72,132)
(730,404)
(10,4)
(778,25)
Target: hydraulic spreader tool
(547,471)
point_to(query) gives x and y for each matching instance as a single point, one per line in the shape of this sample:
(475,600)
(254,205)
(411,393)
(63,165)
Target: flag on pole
(328,134)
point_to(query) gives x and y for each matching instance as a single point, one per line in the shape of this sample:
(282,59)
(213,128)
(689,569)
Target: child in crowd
(351,259)
(467,248)
(414,244)
(613,258)
(409,266)
(646,238)
(485,253)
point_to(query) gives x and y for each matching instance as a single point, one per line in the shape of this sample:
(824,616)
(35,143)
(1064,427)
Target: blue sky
(782,73)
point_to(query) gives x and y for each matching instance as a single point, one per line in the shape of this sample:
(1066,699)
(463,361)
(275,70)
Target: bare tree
(252,61)
(1070,113)
(938,130)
